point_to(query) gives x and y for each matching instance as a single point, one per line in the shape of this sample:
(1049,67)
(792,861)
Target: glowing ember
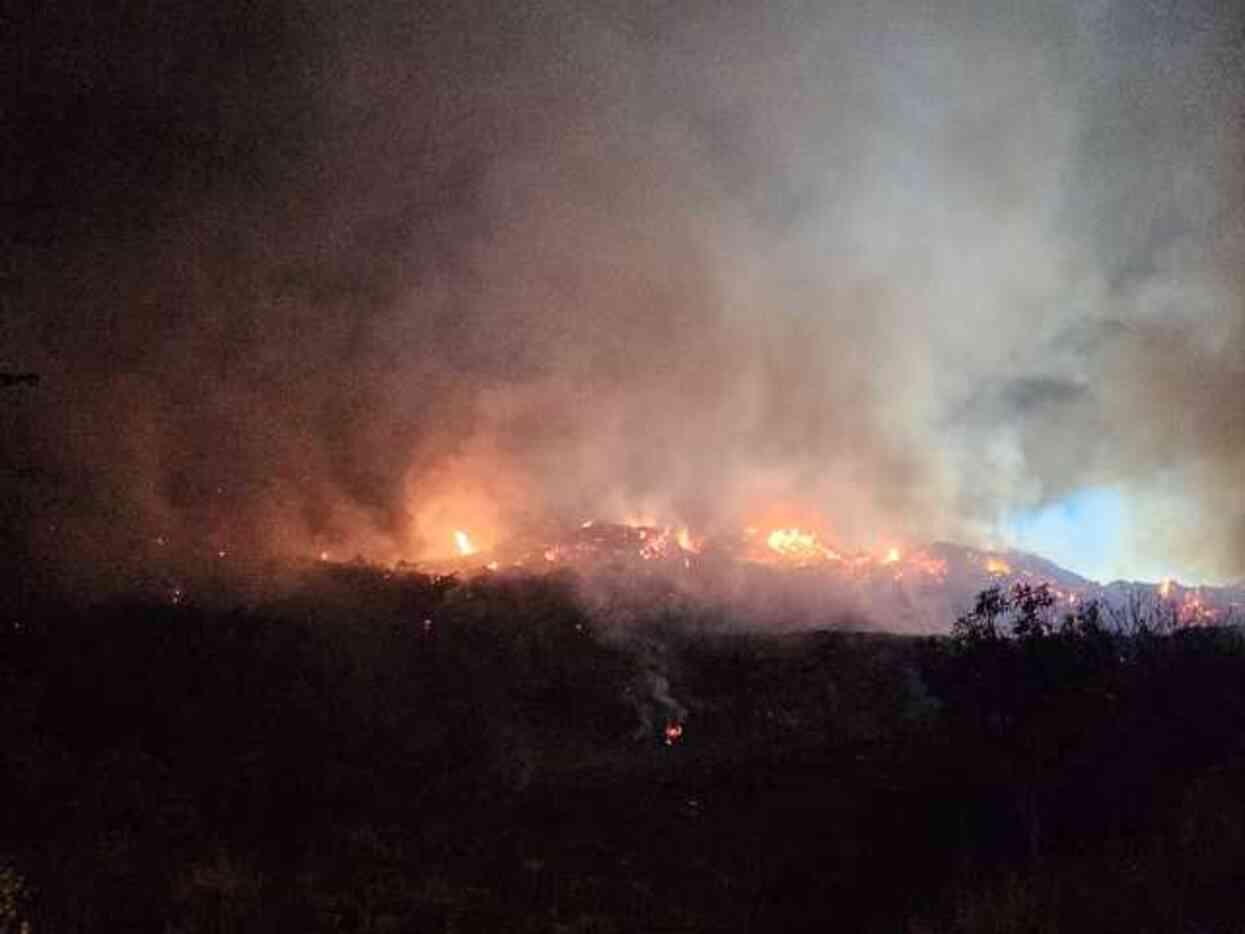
(462,541)
(674,732)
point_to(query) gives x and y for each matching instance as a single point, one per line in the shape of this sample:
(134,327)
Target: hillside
(377,751)
(794,580)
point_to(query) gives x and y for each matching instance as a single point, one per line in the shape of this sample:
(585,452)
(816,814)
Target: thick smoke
(343,277)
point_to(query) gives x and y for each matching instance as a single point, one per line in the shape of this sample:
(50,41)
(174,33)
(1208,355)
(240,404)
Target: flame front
(798,544)
(462,541)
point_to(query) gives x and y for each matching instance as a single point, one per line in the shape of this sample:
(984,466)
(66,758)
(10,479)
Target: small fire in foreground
(674,732)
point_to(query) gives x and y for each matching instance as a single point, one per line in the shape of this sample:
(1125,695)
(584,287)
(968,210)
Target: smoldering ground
(319,276)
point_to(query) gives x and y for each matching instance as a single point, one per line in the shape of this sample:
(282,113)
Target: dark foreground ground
(395,753)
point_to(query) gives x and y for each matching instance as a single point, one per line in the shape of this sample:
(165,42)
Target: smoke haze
(318,276)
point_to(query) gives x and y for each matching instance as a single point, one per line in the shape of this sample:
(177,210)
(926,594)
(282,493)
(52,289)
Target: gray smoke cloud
(343,277)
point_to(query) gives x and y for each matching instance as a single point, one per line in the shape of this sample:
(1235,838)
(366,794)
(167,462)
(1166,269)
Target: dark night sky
(327,275)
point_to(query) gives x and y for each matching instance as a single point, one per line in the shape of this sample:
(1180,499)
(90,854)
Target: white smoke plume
(330,277)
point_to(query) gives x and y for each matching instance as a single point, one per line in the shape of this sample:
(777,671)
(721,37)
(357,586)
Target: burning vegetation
(789,574)
(650,540)
(799,546)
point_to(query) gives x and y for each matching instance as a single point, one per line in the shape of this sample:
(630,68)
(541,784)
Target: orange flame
(799,544)
(997,567)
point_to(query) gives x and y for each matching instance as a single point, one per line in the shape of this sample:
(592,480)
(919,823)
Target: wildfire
(656,542)
(893,556)
(1193,611)
(1187,603)
(686,542)
(799,545)
(640,520)
(462,541)
(997,567)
